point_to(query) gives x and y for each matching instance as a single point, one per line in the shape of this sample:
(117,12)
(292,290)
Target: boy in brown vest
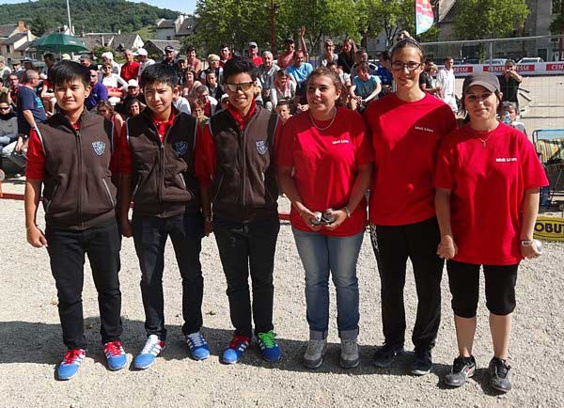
(157,158)
(69,155)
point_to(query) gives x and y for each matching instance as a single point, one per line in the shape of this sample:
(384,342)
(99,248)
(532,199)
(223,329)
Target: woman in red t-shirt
(487,180)
(332,159)
(407,127)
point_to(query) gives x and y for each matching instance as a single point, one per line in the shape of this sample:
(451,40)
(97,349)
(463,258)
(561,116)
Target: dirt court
(31,344)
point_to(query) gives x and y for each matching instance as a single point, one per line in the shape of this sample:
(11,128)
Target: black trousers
(248,247)
(150,235)
(67,249)
(393,245)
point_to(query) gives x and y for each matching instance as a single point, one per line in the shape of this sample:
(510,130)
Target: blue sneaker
(197,346)
(268,346)
(152,349)
(236,348)
(115,355)
(70,364)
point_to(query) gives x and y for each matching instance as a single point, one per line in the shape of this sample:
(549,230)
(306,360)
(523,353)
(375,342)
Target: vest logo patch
(262,146)
(99,147)
(181,147)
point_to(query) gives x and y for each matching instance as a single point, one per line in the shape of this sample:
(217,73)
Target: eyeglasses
(4,109)
(243,86)
(102,112)
(94,76)
(411,65)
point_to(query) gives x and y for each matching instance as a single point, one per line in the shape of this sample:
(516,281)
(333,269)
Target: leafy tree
(389,17)
(480,19)
(39,25)
(557,25)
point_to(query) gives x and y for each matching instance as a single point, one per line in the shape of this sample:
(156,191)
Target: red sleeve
(35,157)
(124,161)
(445,168)
(204,162)
(284,154)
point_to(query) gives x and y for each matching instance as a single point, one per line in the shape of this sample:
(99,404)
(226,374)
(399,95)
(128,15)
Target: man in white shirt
(447,85)
(144,60)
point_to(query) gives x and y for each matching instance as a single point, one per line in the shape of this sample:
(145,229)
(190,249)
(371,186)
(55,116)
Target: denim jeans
(150,235)
(248,247)
(320,255)
(67,249)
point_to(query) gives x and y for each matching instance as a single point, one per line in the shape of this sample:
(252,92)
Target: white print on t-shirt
(340,141)
(424,129)
(505,159)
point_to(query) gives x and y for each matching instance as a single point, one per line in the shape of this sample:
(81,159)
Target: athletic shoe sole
(468,375)
(315,364)
(349,364)
(419,372)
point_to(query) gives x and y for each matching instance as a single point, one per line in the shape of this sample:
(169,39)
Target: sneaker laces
(237,340)
(152,341)
(502,367)
(72,355)
(267,339)
(114,348)
(196,339)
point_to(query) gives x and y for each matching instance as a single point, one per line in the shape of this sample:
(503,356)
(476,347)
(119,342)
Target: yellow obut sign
(549,228)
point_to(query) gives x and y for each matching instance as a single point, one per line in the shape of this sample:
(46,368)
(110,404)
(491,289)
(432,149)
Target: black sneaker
(499,372)
(462,368)
(422,362)
(384,356)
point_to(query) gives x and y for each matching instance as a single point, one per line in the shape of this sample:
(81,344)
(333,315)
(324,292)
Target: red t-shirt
(258,61)
(405,137)
(488,185)
(129,70)
(326,165)
(125,160)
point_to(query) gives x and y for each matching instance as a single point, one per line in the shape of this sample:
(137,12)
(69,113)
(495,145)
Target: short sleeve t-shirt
(28,100)
(326,165)
(300,73)
(488,181)
(405,137)
(365,88)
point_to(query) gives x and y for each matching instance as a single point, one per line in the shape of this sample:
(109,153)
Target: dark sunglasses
(243,86)
(4,109)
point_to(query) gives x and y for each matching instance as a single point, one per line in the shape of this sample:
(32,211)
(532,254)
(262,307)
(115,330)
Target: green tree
(389,17)
(557,25)
(39,25)
(480,19)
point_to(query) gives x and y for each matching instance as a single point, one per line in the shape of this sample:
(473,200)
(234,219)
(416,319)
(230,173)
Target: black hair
(222,46)
(385,56)
(362,65)
(159,73)
(239,65)
(190,48)
(66,71)
(49,57)
(408,42)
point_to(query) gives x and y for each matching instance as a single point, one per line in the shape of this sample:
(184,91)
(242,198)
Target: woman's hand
(530,251)
(308,216)
(447,248)
(340,216)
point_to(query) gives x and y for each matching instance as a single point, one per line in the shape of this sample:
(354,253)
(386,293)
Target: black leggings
(464,283)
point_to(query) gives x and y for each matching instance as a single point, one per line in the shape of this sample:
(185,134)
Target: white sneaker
(153,347)
(349,353)
(316,349)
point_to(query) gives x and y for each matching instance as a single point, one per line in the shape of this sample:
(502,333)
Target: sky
(186,6)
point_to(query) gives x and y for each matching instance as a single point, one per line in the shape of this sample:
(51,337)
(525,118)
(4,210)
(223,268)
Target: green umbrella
(59,42)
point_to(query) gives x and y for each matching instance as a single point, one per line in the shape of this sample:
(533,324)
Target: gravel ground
(31,340)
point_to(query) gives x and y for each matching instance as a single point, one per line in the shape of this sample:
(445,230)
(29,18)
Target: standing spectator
(4,70)
(287,57)
(133,107)
(299,72)
(283,110)
(329,53)
(181,67)
(254,54)
(509,83)
(169,57)
(85,60)
(29,106)
(13,88)
(190,85)
(426,81)
(487,196)
(407,127)
(245,216)
(385,73)
(98,91)
(197,108)
(180,102)
(129,70)
(108,57)
(509,115)
(194,64)
(283,89)
(213,62)
(215,89)
(265,74)
(447,84)
(324,163)
(347,56)
(210,103)
(224,54)
(17,68)
(144,60)
(114,84)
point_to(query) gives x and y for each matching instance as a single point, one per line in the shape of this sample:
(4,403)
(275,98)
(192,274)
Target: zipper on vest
(80,177)
(244,172)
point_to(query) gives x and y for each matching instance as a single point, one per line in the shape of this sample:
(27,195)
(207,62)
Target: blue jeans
(320,255)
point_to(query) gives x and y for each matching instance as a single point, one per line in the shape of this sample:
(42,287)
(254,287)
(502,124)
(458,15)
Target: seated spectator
(214,88)
(345,82)
(209,102)
(365,88)
(197,107)
(190,85)
(113,83)
(180,102)
(85,60)
(129,70)
(134,107)
(361,56)
(194,64)
(181,67)
(224,102)
(133,91)
(144,61)
(105,109)
(329,53)
(283,110)
(509,115)
(170,56)
(347,56)
(254,54)
(4,91)
(265,75)
(224,54)
(98,91)
(13,88)
(385,73)
(4,70)
(213,62)
(299,71)
(109,58)
(287,57)
(8,129)
(282,89)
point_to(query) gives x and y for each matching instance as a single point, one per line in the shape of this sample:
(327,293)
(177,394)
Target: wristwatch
(208,219)
(527,243)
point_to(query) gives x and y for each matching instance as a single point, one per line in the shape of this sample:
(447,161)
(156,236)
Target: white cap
(108,55)
(65,57)
(141,51)
(132,83)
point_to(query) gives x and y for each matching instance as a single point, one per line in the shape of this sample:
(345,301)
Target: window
(168,37)
(8,49)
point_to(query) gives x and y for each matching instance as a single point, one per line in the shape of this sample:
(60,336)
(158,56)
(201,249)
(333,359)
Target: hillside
(87,15)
